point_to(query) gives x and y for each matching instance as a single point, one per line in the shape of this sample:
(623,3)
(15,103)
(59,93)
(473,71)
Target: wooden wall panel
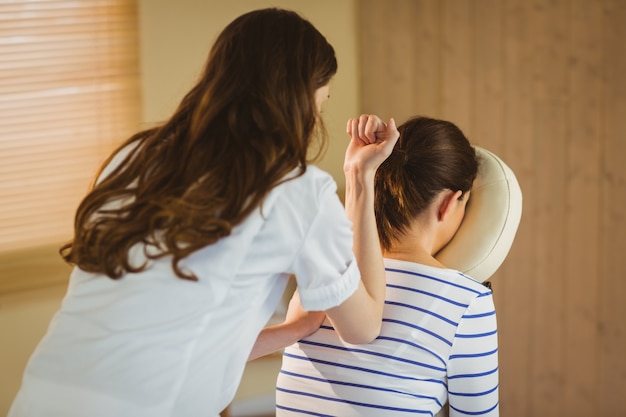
(549,27)
(426,57)
(488,78)
(412,57)
(583,208)
(457,47)
(612,285)
(513,290)
(543,84)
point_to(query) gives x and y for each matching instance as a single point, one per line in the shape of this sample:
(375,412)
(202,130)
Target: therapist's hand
(371,142)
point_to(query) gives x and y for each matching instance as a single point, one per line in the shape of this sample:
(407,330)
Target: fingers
(367,128)
(354,129)
(370,128)
(354,134)
(391,127)
(392,134)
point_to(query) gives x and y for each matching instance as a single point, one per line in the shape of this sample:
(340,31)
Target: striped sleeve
(473,362)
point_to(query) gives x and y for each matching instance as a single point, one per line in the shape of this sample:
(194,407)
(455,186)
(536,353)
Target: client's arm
(473,364)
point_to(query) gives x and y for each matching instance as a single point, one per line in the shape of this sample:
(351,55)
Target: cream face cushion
(492,216)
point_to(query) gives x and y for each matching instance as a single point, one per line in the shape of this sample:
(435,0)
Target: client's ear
(492,216)
(447,203)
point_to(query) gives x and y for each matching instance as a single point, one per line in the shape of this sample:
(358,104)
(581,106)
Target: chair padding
(492,216)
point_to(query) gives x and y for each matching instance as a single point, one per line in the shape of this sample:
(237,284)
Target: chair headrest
(492,216)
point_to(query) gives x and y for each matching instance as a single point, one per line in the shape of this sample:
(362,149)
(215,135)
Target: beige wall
(175,37)
(24,318)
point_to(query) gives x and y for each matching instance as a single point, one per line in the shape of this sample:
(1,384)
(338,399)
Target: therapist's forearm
(359,203)
(276,337)
(358,319)
(272,339)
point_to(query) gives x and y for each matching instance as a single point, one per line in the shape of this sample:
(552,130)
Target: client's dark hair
(430,156)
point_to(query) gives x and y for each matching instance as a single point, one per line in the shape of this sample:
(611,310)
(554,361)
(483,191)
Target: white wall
(175,38)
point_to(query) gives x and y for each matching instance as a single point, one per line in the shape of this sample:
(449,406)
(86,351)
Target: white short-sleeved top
(438,343)
(151,344)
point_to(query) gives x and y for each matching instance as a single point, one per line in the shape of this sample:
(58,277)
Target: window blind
(69,93)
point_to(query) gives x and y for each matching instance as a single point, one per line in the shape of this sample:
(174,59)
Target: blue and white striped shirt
(438,343)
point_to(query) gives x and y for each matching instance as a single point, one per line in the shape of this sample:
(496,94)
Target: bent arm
(358,319)
(298,324)
(274,338)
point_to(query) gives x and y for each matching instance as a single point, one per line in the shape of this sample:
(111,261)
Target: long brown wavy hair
(246,124)
(431,156)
